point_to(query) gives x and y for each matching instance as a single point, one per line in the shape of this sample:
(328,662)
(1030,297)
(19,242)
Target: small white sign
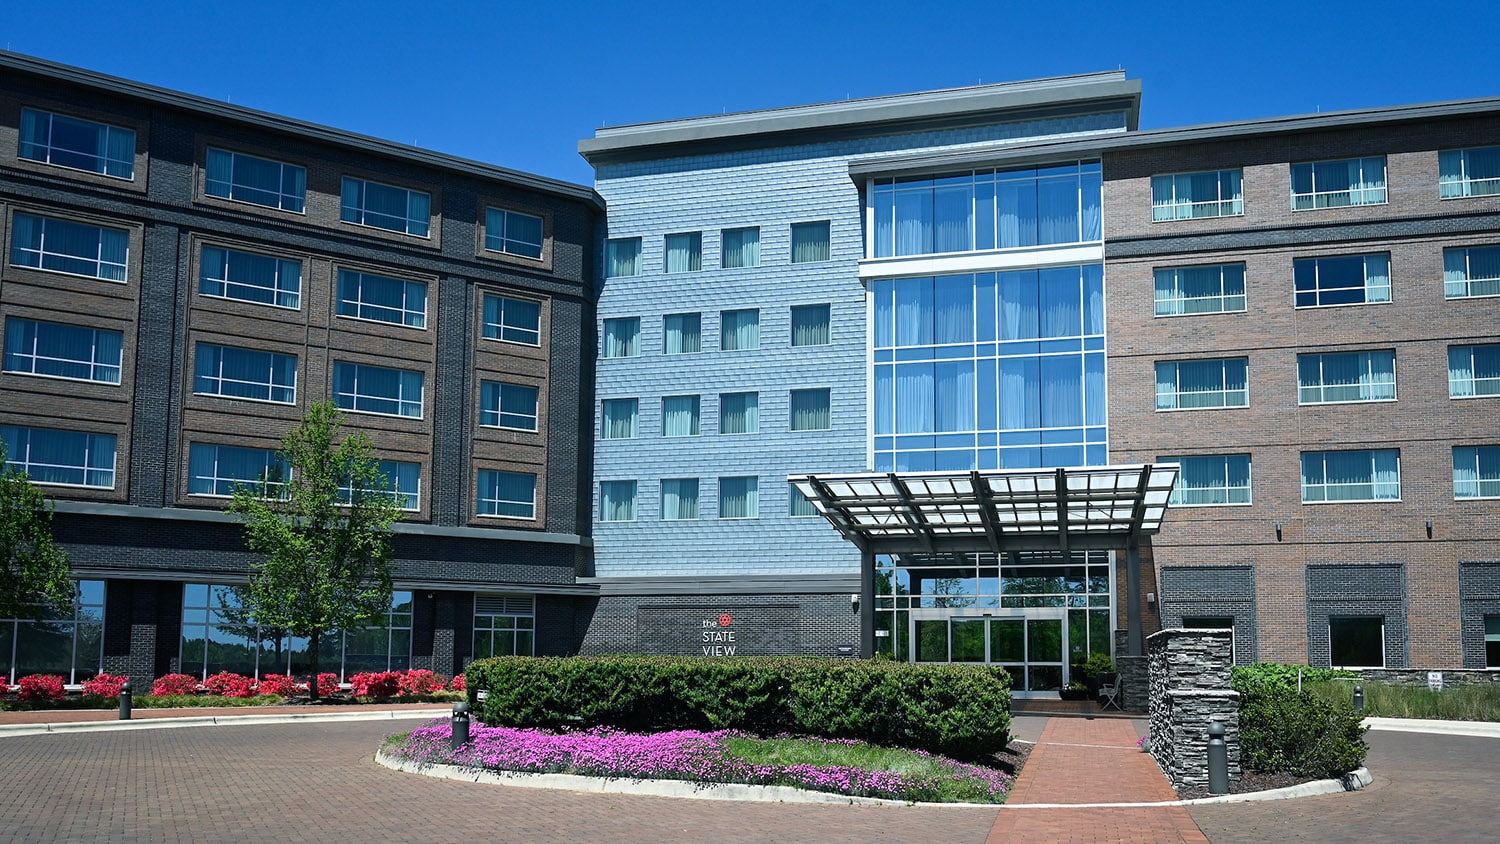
(882,633)
(1435,680)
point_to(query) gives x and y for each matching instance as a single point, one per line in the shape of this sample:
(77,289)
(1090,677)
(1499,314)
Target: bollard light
(125,701)
(1359,698)
(1218,759)
(460,725)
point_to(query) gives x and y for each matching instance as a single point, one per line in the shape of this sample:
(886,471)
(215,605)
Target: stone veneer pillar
(1189,688)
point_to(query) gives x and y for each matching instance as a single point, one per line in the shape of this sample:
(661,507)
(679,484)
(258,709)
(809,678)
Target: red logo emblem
(725,620)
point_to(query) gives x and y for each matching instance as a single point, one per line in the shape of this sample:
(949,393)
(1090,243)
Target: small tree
(324,533)
(33,572)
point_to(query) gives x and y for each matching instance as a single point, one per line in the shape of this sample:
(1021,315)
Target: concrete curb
(1352,781)
(9,730)
(1482,729)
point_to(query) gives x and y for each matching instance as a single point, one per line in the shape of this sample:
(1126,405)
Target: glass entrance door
(1029,644)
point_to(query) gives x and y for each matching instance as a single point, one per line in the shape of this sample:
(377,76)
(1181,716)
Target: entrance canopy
(1093,508)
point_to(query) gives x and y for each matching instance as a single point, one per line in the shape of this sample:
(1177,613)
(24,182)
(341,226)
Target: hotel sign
(718,636)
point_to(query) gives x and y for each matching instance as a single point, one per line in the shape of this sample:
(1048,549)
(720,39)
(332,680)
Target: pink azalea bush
(419,681)
(229,684)
(174,684)
(276,684)
(38,688)
(328,684)
(375,684)
(458,683)
(104,685)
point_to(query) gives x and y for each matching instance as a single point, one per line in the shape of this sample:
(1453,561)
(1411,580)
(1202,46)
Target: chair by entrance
(1109,692)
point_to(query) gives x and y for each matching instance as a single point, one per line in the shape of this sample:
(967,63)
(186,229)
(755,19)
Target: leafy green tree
(33,572)
(324,532)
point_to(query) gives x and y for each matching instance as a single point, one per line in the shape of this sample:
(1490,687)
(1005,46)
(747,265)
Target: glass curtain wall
(69,644)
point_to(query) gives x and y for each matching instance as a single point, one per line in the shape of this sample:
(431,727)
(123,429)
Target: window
(259,181)
(401,480)
(79,144)
(218,469)
(679,498)
(69,643)
(620,417)
(1215,289)
(739,498)
(64,458)
(1473,371)
(739,413)
(386,207)
(1356,642)
(504,625)
(810,325)
(1346,376)
(1335,184)
(797,504)
(682,334)
(740,247)
(510,494)
(810,410)
(232,274)
(1492,641)
(1186,196)
(810,242)
(1211,479)
(245,374)
(1468,172)
(1351,475)
(617,501)
(63,246)
(377,389)
(685,252)
(507,406)
(622,337)
(1476,471)
(622,257)
(1195,384)
(739,330)
(512,320)
(383,299)
(1343,280)
(1474,271)
(33,347)
(513,233)
(679,416)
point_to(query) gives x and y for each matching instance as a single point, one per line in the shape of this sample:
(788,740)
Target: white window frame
(496,416)
(402,402)
(1322,388)
(215,479)
(1223,207)
(502,327)
(34,355)
(1464,288)
(104,161)
(42,253)
(1463,187)
(1224,391)
(281,287)
(619,485)
(1182,301)
(20,458)
(1321,196)
(218,380)
(501,241)
(409,315)
(605,406)
(481,500)
(299,201)
(1491,382)
(1372,483)
(1318,289)
(357,207)
(1480,483)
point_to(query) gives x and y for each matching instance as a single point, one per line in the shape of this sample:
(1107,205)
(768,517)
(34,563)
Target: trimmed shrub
(276,684)
(229,684)
(1284,729)
(956,710)
(104,685)
(174,684)
(41,688)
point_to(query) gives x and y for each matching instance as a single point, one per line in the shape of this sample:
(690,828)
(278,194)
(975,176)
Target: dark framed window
(1356,641)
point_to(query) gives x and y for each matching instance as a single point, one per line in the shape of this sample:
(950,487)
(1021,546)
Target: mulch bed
(1010,760)
(1249,781)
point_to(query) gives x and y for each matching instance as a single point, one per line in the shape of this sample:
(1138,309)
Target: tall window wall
(989,370)
(69,644)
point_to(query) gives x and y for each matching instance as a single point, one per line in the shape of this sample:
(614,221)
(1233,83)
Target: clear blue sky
(518,84)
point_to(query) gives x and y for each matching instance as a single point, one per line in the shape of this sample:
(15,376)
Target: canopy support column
(866,605)
(1135,641)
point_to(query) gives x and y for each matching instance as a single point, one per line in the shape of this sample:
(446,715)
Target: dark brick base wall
(1356,590)
(1479,596)
(760,625)
(1212,591)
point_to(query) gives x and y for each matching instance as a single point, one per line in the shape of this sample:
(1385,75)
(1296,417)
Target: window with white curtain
(622,257)
(1196,384)
(620,418)
(512,320)
(679,416)
(1210,289)
(63,246)
(1187,196)
(1365,475)
(1342,280)
(507,405)
(64,458)
(622,337)
(1471,271)
(388,207)
(250,277)
(617,501)
(1346,377)
(739,413)
(1469,172)
(400,480)
(382,298)
(506,494)
(679,498)
(55,350)
(682,334)
(258,181)
(244,374)
(810,242)
(739,330)
(1473,371)
(684,252)
(797,504)
(1476,471)
(217,469)
(740,247)
(513,232)
(77,143)
(1335,184)
(363,388)
(739,498)
(1212,479)
(810,325)
(810,410)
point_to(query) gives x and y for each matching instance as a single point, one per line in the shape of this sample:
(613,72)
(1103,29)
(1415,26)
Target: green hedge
(1284,729)
(956,710)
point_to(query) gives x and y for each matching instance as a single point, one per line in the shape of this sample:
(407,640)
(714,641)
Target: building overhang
(999,511)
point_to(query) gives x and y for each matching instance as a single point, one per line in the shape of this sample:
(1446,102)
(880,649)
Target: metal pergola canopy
(1090,508)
